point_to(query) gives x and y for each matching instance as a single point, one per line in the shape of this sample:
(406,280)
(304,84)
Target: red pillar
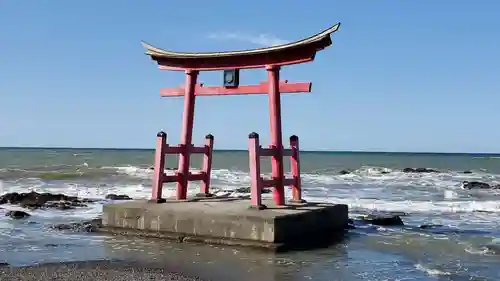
(295,169)
(276,134)
(254,164)
(207,166)
(159,168)
(187,133)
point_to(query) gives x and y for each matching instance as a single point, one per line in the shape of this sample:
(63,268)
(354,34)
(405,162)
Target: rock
(266,190)
(152,168)
(17,214)
(383,219)
(344,172)
(494,246)
(64,205)
(477,185)
(429,226)
(467,172)
(118,197)
(4,264)
(86,226)
(243,190)
(350,224)
(419,170)
(247,190)
(35,200)
(31,204)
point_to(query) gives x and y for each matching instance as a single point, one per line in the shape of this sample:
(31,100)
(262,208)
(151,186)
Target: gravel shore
(90,270)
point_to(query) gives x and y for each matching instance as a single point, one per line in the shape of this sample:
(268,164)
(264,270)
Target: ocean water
(457,250)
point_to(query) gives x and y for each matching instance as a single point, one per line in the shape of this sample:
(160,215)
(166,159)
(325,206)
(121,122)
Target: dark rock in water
(467,172)
(409,170)
(383,219)
(86,226)
(243,190)
(4,264)
(118,197)
(350,224)
(168,169)
(438,229)
(429,226)
(64,205)
(247,190)
(478,185)
(494,246)
(495,249)
(419,170)
(17,214)
(399,214)
(344,172)
(35,200)
(31,204)
(385,172)
(384,214)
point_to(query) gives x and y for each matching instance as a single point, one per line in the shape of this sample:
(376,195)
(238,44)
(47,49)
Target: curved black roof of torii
(155,52)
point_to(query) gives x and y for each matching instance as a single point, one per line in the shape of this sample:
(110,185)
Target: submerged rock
(64,205)
(152,168)
(494,246)
(350,224)
(247,190)
(118,197)
(430,226)
(478,185)
(243,190)
(383,219)
(419,170)
(86,226)
(35,200)
(344,172)
(17,214)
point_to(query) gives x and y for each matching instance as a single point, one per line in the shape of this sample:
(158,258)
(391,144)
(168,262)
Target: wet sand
(91,270)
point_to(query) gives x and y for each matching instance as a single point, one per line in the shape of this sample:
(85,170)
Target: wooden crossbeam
(261,88)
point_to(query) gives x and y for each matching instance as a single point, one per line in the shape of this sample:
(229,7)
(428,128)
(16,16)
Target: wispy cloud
(265,40)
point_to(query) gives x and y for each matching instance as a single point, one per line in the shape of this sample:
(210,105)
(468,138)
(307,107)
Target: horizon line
(242,150)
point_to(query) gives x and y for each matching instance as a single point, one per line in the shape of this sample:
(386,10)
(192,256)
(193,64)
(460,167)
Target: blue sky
(400,75)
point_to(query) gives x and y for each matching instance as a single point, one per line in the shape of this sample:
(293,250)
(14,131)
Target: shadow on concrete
(205,199)
(298,206)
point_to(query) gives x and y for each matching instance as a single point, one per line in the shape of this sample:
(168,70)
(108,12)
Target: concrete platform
(230,221)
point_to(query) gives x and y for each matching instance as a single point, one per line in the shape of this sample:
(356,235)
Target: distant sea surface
(455,248)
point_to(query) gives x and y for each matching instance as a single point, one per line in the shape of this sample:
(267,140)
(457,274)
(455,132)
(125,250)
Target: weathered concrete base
(230,221)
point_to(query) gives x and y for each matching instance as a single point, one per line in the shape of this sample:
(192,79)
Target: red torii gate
(271,58)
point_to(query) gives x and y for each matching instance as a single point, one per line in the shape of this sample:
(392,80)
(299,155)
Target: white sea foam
(432,272)
(416,206)
(370,188)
